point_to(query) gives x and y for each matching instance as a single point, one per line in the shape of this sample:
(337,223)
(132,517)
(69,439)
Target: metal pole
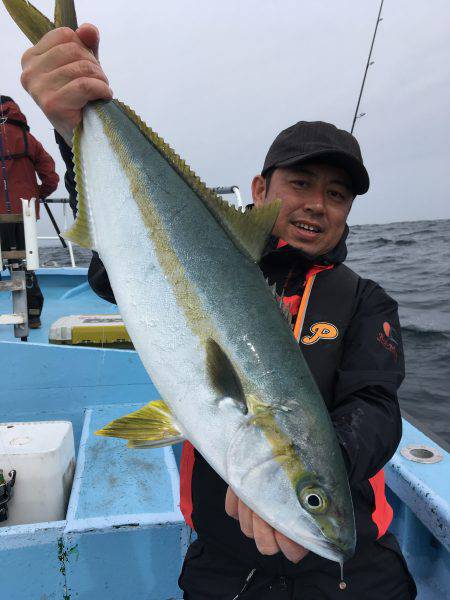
(367,67)
(54,223)
(72,258)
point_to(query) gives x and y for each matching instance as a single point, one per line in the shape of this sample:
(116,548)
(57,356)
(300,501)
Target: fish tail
(34,24)
(65,14)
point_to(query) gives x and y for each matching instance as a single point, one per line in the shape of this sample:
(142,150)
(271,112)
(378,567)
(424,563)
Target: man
(339,319)
(21,158)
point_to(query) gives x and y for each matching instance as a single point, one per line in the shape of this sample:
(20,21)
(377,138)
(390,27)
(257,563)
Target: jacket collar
(334,257)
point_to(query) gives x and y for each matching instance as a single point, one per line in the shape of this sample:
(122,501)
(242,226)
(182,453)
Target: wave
(405,242)
(422,331)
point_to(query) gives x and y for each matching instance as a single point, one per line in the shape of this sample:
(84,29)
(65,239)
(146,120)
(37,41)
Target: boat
(123,534)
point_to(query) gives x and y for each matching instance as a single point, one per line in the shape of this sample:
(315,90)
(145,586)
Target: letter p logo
(320,331)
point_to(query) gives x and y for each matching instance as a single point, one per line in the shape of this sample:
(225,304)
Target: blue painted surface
(121,564)
(420,496)
(124,535)
(117,480)
(47,382)
(424,487)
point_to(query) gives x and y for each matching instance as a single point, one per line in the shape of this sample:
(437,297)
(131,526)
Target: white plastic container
(43,454)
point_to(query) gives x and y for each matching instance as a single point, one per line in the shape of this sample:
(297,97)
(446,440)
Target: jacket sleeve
(366,413)
(45,168)
(97,275)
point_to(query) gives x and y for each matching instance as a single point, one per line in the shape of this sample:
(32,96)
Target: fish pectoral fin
(222,374)
(152,426)
(145,445)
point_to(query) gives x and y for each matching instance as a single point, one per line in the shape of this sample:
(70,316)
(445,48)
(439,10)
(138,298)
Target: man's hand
(62,74)
(267,540)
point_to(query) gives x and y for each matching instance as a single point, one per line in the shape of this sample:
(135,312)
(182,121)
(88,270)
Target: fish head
(293,488)
(328,505)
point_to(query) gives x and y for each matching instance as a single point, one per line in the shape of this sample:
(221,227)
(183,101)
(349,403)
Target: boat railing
(233,189)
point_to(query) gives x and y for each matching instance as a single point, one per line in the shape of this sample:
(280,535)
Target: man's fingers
(64,54)
(61,35)
(231,504)
(292,551)
(264,536)
(246,519)
(67,73)
(80,91)
(90,37)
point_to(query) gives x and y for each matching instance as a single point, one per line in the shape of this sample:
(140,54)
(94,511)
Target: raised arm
(62,74)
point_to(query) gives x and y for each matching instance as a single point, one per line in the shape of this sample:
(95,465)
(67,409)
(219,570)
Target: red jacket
(21,158)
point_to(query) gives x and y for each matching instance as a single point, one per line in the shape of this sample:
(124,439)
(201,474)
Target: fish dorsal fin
(249,231)
(223,375)
(152,426)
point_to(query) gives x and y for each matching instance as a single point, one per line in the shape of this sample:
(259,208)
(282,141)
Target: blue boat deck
(66,292)
(123,535)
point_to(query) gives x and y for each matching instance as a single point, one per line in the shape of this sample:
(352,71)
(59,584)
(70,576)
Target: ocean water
(412,262)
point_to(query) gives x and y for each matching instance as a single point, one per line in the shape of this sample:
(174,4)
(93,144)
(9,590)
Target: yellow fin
(30,20)
(249,231)
(149,427)
(81,230)
(65,15)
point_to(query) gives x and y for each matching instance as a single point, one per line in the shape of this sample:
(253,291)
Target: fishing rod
(369,62)
(54,223)
(2,157)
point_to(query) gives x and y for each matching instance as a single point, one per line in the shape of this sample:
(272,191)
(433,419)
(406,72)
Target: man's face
(316,199)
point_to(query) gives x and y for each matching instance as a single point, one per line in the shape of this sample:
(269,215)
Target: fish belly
(172,354)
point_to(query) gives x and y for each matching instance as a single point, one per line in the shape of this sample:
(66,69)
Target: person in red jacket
(22,157)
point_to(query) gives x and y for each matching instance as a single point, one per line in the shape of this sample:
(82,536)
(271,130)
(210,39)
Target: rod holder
(30,229)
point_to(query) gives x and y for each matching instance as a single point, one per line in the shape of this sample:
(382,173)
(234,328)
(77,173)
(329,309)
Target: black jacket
(362,395)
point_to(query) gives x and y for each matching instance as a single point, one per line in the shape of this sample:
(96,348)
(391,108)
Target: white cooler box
(43,454)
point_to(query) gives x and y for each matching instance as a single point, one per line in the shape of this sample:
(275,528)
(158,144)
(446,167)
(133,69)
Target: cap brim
(350,164)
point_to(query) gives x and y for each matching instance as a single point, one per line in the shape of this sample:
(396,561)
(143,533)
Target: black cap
(310,140)
(5,99)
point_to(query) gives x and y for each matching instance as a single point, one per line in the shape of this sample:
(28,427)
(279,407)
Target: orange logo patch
(320,331)
(387,338)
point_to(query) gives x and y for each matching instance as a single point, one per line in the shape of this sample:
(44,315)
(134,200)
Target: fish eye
(313,500)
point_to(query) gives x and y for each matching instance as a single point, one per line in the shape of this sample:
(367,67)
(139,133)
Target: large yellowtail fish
(182,265)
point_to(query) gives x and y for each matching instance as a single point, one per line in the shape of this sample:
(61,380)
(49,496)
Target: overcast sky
(218,80)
